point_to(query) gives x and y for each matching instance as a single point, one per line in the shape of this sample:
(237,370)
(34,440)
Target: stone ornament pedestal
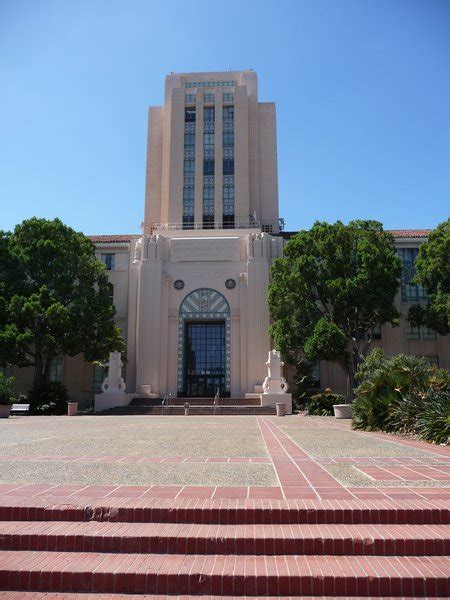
(275,386)
(113,387)
(72,409)
(146,390)
(5,410)
(342,411)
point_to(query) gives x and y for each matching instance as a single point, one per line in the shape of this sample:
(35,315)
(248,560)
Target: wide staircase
(197,406)
(226,549)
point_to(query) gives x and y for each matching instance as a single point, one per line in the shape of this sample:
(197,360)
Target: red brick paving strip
(312,575)
(296,469)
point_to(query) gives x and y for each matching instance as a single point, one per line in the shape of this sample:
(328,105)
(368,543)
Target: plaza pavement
(295,457)
(226,506)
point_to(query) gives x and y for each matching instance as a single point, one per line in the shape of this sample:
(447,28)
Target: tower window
(189,115)
(228,166)
(208,167)
(228,140)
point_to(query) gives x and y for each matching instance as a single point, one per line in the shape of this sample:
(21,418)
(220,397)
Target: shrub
(303,385)
(7,396)
(322,404)
(48,399)
(434,422)
(394,394)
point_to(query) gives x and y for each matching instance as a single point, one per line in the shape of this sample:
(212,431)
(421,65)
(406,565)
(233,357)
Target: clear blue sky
(362,89)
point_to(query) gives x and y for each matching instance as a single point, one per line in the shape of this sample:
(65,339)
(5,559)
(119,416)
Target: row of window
(209,114)
(199,84)
(411,292)
(228,167)
(189,167)
(226,97)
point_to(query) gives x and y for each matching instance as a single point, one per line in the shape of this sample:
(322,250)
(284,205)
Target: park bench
(20,409)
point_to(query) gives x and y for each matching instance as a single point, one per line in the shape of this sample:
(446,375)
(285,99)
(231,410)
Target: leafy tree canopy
(433,273)
(334,284)
(55,297)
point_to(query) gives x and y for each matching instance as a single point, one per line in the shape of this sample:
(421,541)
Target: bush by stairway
(403,394)
(322,404)
(48,399)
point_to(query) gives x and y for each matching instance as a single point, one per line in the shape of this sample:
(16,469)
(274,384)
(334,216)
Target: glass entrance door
(204,358)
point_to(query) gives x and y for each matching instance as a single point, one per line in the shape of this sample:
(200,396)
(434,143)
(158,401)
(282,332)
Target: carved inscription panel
(198,249)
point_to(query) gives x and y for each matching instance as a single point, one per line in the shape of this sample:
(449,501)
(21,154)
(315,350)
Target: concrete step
(193,410)
(163,538)
(10,595)
(221,575)
(142,401)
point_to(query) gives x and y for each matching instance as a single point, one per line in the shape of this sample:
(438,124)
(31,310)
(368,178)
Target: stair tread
(12,595)
(294,531)
(215,511)
(225,574)
(226,539)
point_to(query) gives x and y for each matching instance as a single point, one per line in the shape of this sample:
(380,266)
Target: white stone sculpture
(113,387)
(138,251)
(275,383)
(275,386)
(114,383)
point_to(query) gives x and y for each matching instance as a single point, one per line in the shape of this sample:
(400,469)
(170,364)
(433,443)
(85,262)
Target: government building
(190,291)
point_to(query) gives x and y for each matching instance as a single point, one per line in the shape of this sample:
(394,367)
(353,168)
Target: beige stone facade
(190,293)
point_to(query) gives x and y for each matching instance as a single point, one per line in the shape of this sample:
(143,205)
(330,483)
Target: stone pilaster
(133,285)
(243,334)
(164,357)
(258,312)
(148,326)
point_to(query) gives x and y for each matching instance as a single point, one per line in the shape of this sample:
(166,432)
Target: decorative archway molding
(203,304)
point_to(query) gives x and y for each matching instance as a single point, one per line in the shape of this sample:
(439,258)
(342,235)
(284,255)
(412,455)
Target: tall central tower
(198,316)
(212,157)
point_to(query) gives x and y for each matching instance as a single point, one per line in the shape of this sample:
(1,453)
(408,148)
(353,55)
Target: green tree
(334,284)
(55,298)
(433,273)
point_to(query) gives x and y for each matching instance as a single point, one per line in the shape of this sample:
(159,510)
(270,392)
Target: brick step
(10,595)
(194,410)
(225,575)
(386,540)
(225,512)
(196,401)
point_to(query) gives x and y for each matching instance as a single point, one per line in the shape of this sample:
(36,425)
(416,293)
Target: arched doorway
(204,344)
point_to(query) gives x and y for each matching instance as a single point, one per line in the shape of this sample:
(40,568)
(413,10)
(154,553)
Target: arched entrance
(204,344)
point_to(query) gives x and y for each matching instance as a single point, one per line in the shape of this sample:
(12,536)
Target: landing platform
(251,457)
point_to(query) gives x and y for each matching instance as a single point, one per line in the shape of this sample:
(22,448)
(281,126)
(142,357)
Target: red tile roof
(410,233)
(397,233)
(126,238)
(113,239)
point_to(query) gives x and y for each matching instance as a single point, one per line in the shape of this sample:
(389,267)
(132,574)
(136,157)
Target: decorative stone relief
(205,249)
(230,284)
